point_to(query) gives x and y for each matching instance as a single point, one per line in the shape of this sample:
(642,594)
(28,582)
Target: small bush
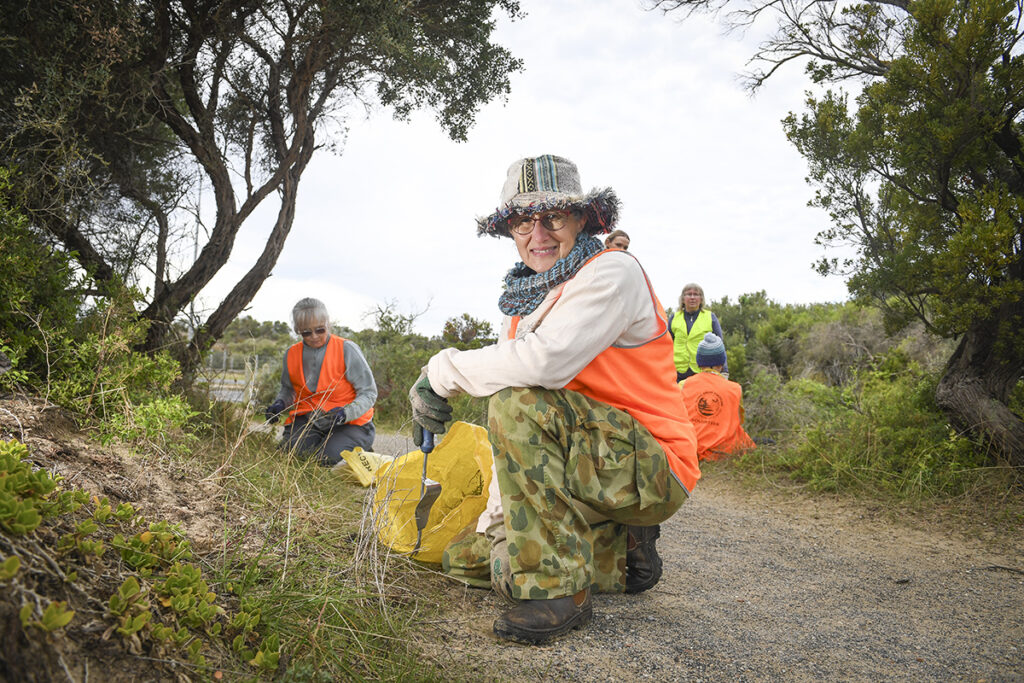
(782,410)
(38,297)
(886,436)
(122,393)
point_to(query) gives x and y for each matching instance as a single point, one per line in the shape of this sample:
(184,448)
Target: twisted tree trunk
(976,387)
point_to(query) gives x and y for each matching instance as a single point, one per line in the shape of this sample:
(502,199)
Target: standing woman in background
(330,386)
(688,328)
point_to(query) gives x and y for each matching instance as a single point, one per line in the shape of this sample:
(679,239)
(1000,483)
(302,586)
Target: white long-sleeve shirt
(607,303)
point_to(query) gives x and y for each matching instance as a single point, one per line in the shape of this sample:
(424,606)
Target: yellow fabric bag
(461,464)
(364,465)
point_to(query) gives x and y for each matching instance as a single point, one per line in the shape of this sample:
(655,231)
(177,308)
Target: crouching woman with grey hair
(327,388)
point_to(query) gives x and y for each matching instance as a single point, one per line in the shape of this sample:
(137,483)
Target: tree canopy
(921,172)
(144,134)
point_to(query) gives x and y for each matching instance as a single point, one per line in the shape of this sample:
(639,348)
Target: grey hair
(691,285)
(308,313)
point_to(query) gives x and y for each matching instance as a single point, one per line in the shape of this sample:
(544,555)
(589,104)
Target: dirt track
(770,587)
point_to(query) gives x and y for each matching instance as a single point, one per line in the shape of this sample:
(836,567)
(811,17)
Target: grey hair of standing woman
(694,286)
(309,313)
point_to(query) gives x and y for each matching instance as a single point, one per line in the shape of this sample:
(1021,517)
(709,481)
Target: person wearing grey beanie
(711,351)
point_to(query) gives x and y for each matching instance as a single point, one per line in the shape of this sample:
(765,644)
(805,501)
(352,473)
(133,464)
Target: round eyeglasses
(522,224)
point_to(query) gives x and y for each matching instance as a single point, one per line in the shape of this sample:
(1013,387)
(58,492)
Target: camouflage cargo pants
(552,447)
(481,559)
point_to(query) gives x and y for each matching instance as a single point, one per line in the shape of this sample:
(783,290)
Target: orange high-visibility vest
(640,381)
(715,407)
(332,389)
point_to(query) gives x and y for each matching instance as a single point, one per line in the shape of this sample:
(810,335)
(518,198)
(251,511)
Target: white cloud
(652,107)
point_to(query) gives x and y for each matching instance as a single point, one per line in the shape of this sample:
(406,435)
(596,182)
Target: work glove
(325,421)
(430,411)
(274,411)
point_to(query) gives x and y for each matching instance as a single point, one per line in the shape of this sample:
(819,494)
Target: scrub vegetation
(851,408)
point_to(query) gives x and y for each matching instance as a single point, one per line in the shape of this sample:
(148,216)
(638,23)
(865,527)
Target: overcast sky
(650,106)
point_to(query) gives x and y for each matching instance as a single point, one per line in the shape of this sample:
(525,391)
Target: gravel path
(770,587)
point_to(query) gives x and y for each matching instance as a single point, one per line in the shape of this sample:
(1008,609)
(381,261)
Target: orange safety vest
(332,389)
(715,407)
(640,381)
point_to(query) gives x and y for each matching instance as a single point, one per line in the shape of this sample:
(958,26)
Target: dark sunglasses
(309,333)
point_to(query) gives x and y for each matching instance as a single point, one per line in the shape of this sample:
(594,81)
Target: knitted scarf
(525,289)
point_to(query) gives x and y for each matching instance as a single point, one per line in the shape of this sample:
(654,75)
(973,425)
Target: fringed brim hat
(549,182)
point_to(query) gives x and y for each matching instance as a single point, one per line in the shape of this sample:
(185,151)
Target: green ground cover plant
(71,560)
(294,586)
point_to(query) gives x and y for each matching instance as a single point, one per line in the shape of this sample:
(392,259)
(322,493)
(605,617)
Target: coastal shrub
(885,435)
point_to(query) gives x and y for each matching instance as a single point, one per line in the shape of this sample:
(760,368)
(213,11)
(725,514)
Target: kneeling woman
(330,388)
(583,412)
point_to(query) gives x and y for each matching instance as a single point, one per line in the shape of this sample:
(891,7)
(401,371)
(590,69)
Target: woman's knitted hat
(549,182)
(710,351)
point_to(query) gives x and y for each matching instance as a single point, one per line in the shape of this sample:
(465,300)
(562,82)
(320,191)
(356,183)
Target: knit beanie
(710,351)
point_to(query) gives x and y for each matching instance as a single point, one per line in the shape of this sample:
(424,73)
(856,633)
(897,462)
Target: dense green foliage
(826,342)
(36,290)
(849,407)
(80,355)
(879,435)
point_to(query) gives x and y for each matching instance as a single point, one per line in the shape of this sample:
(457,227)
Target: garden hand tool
(429,490)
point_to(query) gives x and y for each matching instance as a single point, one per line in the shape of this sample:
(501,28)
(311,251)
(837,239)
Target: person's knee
(329,459)
(292,441)
(507,406)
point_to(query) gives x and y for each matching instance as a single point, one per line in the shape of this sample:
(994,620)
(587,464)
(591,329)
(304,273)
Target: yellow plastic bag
(364,465)
(461,464)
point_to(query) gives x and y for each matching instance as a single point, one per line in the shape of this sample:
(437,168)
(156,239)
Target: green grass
(293,587)
(305,557)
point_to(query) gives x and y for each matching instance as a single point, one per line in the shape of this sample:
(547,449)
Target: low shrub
(881,434)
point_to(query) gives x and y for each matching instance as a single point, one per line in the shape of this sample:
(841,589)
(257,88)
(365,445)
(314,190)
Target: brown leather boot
(643,564)
(537,621)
